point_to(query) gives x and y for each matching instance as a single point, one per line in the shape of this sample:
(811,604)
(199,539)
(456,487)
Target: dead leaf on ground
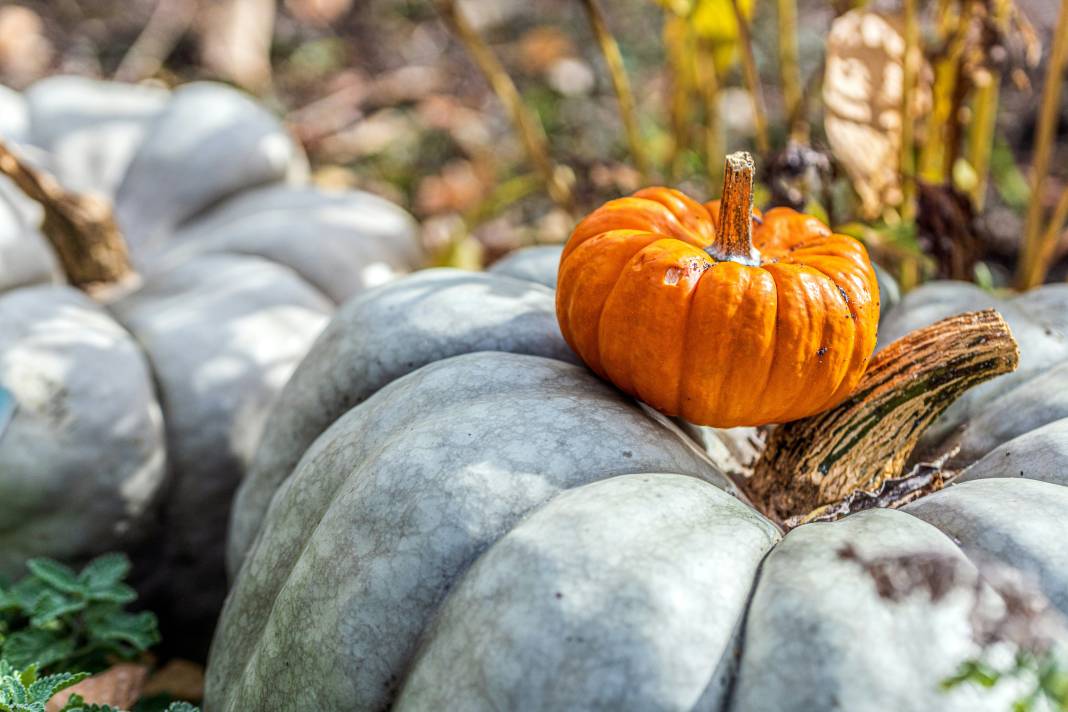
(181,679)
(119,686)
(542,47)
(25,53)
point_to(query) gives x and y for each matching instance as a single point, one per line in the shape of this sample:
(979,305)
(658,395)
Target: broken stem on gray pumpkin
(734,234)
(810,466)
(81,228)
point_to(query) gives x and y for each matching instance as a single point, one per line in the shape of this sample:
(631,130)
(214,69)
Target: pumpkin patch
(419,355)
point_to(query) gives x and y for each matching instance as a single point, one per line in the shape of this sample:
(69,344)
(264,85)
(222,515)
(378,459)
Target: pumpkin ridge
(566,323)
(836,395)
(687,353)
(623,370)
(782,346)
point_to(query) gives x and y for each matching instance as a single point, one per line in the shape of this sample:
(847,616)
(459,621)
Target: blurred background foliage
(934,130)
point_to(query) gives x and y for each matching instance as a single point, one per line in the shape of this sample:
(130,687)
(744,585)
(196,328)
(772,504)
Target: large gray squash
(450,514)
(376,338)
(154,400)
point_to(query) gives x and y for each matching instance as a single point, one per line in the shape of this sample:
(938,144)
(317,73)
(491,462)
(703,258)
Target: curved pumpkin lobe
(758,321)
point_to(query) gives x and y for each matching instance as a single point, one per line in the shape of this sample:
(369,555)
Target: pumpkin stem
(734,236)
(81,228)
(865,442)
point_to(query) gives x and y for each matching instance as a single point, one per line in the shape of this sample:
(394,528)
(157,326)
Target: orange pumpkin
(713,313)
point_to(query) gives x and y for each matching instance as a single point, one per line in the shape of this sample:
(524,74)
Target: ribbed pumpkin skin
(717,342)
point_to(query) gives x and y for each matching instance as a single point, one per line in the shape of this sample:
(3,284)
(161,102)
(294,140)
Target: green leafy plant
(77,704)
(1047,670)
(61,620)
(26,691)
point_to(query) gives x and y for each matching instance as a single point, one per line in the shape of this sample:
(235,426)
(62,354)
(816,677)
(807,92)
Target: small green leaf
(49,685)
(34,645)
(27,592)
(139,630)
(113,593)
(56,575)
(105,571)
(53,605)
(28,676)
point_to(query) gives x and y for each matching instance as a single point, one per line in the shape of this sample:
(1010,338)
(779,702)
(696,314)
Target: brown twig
(866,441)
(981,132)
(168,22)
(705,69)
(1032,269)
(678,43)
(526,124)
(752,80)
(789,68)
(620,84)
(81,228)
(1051,238)
(910,75)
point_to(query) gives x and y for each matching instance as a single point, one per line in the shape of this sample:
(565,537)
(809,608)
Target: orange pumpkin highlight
(758,321)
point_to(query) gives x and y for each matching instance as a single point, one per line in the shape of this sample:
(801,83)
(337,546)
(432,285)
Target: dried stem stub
(865,441)
(81,228)
(734,236)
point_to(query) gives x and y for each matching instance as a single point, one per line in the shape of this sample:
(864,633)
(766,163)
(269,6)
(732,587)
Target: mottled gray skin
(1021,523)
(1033,404)
(1041,345)
(381,335)
(534,264)
(92,128)
(1047,305)
(391,505)
(819,637)
(223,320)
(889,291)
(360,577)
(210,142)
(625,594)
(25,258)
(14,115)
(223,333)
(1040,454)
(82,461)
(340,241)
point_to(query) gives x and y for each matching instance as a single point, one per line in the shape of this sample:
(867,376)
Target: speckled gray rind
(1020,522)
(1047,305)
(819,637)
(82,461)
(210,142)
(392,504)
(1041,347)
(25,258)
(1031,405)
(889,291)
(14,116)
(223,333)
(624,594)
(1040,454)
(92,128)
(535,264)
(341,241)
(377,337)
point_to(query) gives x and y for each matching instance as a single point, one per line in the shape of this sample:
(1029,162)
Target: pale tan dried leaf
(181,679)
(25,52)
(119,686)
